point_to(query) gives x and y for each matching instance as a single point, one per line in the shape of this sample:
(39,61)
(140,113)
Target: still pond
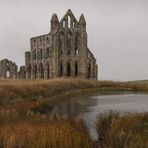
(89,107)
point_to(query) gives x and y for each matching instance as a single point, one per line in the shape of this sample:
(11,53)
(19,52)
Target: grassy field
(25,119)
(23,95)
(19,90)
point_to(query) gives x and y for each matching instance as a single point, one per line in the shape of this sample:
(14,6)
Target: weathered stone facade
(8,69)
(61,53)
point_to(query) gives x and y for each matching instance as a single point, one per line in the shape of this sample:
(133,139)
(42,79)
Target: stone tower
(61,53)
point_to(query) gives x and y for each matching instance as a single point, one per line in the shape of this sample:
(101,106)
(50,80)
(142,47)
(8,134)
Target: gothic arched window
(7,74)
(68,72)
(62,36)
(47,71)
(47,52)
(76,43)
(88,71)
(41,71)
(47,40)
(69,42)
(73,24)
(76,69)
(69,21)
(41,53)
(64,24)
(76,52)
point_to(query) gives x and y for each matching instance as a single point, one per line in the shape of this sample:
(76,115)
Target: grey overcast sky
(117,32)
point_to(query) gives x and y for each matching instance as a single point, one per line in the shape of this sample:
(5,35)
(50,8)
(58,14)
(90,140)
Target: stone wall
(8,69)
(63,52)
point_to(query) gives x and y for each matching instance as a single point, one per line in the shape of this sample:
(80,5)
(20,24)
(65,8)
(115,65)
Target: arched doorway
(68,72)
(35,71)
(41,71)
(47,71)
(7,74)
(76,69)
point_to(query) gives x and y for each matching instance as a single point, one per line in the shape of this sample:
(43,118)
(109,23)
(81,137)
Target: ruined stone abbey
(61,53)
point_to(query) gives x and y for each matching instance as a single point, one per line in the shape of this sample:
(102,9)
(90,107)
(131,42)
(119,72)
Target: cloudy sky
(117,32)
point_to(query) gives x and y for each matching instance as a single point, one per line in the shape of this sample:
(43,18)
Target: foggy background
(117,32)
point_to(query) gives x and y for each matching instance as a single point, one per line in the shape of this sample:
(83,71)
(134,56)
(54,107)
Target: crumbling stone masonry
(8,69)
(61,53)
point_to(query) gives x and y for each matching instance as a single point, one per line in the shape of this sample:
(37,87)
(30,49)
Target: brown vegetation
(23,122)
(54,131)
(41,131)
(130,131)
(23,90)
(19,93)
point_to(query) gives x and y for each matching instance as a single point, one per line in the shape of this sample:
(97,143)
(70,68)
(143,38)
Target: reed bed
(42,131)
(130,131)
(55,131)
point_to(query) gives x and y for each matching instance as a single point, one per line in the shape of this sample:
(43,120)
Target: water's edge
(89,107)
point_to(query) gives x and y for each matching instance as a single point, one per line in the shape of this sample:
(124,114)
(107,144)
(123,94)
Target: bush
(42,108)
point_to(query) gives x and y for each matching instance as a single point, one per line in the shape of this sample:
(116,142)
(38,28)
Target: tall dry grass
(130,131)
(25,89)
(54,131)
(42,131)
(20,90)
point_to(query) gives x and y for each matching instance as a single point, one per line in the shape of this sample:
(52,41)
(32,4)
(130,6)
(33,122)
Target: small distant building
(63,52)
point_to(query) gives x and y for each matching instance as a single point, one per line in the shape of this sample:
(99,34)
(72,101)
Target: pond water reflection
(89,107)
